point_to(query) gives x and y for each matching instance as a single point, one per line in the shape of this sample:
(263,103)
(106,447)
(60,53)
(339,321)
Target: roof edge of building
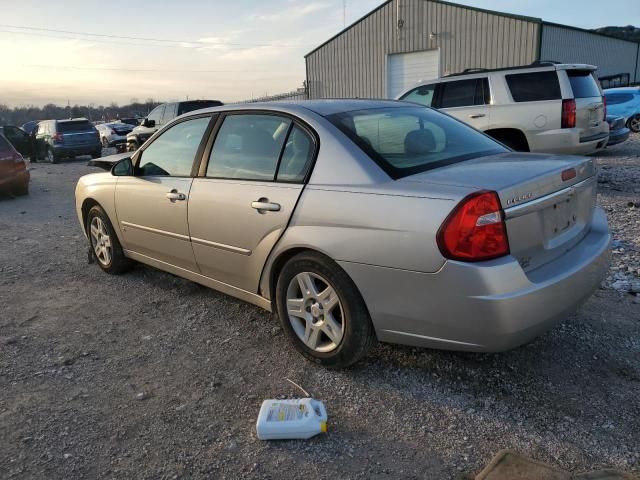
(586,30)
(443,2)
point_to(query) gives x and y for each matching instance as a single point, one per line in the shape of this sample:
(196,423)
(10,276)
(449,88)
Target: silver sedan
(356,221)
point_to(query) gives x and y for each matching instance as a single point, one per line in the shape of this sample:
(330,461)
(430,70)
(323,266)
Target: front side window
(169,113)
(422,95)
(248,147)
(534,87)
(173,152)
(156,114)
(408,140)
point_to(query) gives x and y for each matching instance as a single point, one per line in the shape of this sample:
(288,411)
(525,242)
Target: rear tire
(634,123)
(336,324)
(105,247)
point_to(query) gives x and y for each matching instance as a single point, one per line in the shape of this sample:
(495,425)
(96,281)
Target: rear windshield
(408,140)
(186,107)
(583,84)
(79,126)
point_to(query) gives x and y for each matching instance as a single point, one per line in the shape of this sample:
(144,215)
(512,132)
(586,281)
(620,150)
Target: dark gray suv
(162,114)
(56,139)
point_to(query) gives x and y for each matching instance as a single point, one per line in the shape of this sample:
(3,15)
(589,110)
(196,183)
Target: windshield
(409,140)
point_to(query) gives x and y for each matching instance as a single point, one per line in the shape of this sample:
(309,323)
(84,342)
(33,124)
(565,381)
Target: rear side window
(583,84)
(248,147)
(297,156)
(534,87)
(463,93)
(618,98)
(72,127)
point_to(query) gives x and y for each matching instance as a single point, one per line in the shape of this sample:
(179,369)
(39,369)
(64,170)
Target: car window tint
(297,156)
(248,147)
(72,127)
(422,95)
(408,140)
(5,147)
(534,87)
(173,152)
(461,93)
(583,84)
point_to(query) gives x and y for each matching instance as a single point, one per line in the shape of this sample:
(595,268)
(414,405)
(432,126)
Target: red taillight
(568,113)
(475,229)
(604,107)
(568,174)
(58,137)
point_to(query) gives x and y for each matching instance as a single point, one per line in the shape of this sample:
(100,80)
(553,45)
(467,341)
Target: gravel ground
(150,376)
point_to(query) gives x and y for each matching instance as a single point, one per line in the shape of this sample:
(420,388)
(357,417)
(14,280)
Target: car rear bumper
(618,136)
(486,307)
(566,141)
(63,150)
(9,182)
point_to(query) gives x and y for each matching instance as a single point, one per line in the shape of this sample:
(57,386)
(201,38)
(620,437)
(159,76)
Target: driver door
(151,205)
(19,139)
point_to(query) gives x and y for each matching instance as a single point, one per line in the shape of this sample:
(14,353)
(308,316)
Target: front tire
(634,123)
(105,142)
(322,311)
(105,247)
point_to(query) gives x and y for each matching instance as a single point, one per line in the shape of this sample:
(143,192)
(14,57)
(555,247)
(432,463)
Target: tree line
(23,114)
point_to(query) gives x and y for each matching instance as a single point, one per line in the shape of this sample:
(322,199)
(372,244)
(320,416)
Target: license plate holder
(560,217)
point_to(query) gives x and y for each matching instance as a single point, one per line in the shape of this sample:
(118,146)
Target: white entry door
(404,70)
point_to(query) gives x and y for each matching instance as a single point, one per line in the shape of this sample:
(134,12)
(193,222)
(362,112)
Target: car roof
(323,107)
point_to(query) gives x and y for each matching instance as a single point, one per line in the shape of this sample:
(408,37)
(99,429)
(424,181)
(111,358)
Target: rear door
(589,105)
(152,204)
(19,139)
(467,100)
(247,191)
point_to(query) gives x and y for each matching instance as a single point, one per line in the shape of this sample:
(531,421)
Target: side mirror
(148,123)
(123,168)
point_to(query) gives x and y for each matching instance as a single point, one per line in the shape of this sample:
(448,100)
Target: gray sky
(200,49)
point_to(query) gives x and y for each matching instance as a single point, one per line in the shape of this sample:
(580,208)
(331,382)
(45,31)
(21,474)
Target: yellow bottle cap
(323,427)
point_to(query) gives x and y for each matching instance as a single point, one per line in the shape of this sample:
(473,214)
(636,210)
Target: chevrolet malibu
(356,221)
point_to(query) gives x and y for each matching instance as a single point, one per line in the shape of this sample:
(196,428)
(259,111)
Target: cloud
(291,13)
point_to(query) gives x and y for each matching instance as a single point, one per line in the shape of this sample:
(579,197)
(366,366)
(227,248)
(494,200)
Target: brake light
(604,108)
(568,113)
(58,137)
(475,230)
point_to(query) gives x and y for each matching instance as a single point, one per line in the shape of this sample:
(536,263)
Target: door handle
(174,195)
(264,205)
(477,115)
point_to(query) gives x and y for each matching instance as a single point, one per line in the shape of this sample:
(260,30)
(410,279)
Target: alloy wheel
(101,241)
(315,312)
(50,156)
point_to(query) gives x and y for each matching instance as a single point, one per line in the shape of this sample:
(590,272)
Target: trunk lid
(589,104)
(545,214)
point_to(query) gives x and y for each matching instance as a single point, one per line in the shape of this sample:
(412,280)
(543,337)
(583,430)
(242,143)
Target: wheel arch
(87,204)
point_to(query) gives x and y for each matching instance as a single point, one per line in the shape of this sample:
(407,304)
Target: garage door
(404,70)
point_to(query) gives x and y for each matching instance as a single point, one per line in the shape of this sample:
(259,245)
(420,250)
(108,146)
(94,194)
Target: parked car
(543,107)
(618,132)
(29,127)
(356,220)
(160,116)
(113,133)
(56,139)
(21,140)
(14,175)
(625,102)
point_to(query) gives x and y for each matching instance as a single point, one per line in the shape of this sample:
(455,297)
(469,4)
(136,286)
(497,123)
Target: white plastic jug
(298,418)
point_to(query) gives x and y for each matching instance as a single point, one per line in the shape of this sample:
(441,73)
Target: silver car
(356,221)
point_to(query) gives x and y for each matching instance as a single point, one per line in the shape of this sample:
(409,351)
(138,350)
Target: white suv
(543,107)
